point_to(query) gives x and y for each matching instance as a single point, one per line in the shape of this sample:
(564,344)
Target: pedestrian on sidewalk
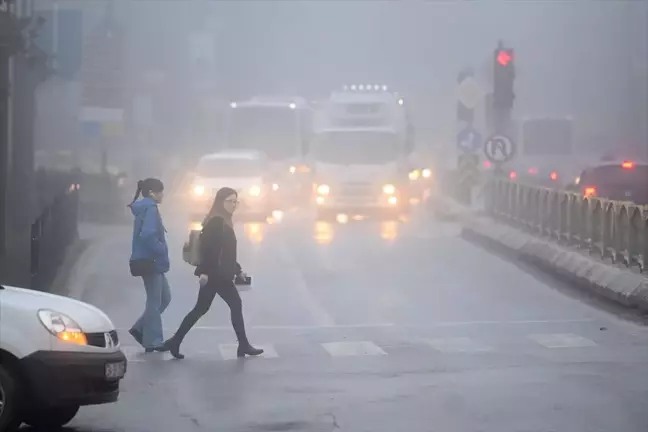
(150,261)
(216,271)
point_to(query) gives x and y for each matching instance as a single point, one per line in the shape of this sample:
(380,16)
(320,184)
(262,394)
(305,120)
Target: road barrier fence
(612,230)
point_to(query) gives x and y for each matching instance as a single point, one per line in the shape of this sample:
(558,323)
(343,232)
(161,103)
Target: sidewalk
(81,258)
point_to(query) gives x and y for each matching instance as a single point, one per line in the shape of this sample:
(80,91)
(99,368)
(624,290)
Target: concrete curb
(618,284)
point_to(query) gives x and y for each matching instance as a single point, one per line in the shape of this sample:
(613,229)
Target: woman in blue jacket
(150,246)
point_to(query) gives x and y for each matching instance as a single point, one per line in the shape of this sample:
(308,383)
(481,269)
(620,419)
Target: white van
(56,355)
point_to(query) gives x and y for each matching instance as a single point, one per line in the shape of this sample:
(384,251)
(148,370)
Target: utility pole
(5,53)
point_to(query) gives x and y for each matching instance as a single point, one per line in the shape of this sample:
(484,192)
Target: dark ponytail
(145,187)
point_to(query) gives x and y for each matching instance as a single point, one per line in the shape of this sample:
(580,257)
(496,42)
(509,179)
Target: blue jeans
(158,297)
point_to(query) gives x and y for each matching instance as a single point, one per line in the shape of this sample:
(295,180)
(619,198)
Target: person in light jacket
(149,243)
(217,269)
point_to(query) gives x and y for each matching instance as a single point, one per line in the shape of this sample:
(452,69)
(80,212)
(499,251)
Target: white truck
(281,127)
(362,138)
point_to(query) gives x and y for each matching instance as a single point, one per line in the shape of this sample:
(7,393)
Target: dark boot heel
(174,348)
(244,350)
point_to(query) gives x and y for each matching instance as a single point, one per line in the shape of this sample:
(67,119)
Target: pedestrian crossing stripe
(349,349)
(562,340)
(455,345)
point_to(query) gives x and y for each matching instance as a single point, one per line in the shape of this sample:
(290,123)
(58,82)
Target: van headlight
(323,189)
(389,189)
(62,326)
(255,191)
(199,190)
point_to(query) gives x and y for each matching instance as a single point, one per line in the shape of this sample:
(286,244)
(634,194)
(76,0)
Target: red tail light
(590,192)
(533,171)
(512,175)
(487,164)
(627,165)
(554,175)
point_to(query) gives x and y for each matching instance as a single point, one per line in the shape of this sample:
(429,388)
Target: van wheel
(51,417)
(9,400)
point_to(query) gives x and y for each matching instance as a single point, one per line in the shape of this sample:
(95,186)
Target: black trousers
(228,292)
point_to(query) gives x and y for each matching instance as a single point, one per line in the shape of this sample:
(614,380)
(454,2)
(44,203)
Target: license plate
(115,370)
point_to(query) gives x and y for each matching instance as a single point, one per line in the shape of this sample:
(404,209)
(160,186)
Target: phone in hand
(247,280)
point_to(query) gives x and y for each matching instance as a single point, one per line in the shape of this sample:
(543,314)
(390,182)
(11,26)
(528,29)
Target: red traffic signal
(504,57)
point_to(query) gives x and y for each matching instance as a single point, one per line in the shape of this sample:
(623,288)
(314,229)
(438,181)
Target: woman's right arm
(210,247)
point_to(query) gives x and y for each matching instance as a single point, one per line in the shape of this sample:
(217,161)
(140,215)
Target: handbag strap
(139,231)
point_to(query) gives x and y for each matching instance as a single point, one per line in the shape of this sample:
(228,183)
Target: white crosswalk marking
(562,340)
(348,349)
(228,351)
(457,345)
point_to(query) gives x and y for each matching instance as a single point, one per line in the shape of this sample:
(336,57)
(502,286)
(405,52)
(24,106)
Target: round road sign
(499,149)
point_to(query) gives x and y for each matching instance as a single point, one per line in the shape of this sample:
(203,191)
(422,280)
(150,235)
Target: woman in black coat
(217,270)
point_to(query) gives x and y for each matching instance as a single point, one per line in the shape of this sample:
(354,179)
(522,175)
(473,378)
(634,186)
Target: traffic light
(504,76)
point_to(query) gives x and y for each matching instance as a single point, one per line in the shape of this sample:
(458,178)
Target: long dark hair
(145,187)
(218,208)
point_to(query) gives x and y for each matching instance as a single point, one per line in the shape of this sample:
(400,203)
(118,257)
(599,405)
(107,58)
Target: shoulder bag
(142,266)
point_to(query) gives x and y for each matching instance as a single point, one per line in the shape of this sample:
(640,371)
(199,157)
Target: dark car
(622,181)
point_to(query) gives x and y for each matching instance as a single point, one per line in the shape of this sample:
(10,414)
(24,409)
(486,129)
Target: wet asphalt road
(372,326)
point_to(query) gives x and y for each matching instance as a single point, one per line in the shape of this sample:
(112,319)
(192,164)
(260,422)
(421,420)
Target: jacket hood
(138,207)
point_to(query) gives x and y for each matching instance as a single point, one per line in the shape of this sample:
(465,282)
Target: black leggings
(228,292)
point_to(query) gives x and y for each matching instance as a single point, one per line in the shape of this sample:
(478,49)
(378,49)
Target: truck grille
(356,192)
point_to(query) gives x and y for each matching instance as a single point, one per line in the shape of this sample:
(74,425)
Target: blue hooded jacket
(149,239)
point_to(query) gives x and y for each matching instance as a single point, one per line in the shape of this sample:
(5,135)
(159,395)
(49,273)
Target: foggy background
(183,61)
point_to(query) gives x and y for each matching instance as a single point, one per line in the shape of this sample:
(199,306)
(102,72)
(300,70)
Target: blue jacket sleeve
(150,233)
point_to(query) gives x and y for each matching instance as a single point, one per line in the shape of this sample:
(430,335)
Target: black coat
(218,251)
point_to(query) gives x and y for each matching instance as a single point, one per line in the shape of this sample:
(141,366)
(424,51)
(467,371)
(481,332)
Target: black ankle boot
(173,346)
(247,349)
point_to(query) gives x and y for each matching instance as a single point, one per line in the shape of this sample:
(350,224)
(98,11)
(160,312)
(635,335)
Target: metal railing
(51,234)
(610,229)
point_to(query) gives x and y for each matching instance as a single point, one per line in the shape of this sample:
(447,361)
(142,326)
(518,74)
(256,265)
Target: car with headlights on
(245,171)
(56,355)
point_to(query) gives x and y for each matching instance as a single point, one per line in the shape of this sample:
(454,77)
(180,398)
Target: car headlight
(323,189)
(389,189)
(427,173)
(255,191)
(275,187)
(292,169)
(414,175)
(199,190)
(62,326)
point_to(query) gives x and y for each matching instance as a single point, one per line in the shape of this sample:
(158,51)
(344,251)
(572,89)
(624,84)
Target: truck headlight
(414,175)
(323,189)
(62,326)
(427,173)
(255,191)
(389,189)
